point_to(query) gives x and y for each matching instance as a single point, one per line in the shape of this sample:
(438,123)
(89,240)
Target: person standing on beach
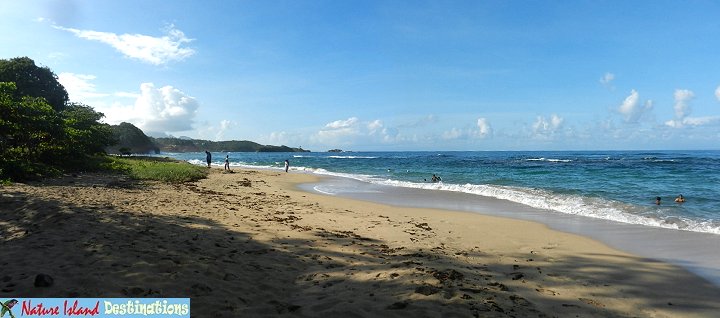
(227,162)
(287,165)
(208,157)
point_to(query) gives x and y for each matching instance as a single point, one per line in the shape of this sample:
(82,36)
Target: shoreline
(694,251)
(253,243)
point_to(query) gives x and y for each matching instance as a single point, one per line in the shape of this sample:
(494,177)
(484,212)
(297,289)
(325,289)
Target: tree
(32,80)
(40,132)
(83,133)
(31,129)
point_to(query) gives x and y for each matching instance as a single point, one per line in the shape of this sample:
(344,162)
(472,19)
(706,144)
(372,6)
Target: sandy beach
(250,243)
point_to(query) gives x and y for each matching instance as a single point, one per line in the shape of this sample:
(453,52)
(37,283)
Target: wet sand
(250,243)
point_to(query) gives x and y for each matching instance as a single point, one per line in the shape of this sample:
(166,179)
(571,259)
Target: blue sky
(388,75)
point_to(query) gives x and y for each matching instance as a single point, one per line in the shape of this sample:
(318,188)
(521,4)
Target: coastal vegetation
(193,145)
(156,168)
(131,139)
(41,132)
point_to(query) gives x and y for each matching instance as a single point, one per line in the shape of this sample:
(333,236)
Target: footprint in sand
(592,302)
(546,291)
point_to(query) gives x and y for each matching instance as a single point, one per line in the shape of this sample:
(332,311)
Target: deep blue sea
(612,185)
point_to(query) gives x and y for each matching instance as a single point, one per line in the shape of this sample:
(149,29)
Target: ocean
(609,196)
(620,186)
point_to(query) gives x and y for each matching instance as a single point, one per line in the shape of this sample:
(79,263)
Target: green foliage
(84,135)
(160,169)
(35,81)
(38,138)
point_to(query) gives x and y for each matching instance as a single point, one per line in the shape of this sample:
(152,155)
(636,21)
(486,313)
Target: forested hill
(131,139)
(195,145)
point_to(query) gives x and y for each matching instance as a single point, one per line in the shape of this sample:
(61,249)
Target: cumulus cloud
(338,129)
(164,109)
(375,127)
(681,107)
(631,108)
(353,130)
(682,111)
(546,127)
(717,93)
(682,99)
(153,50)
(484,128)
(342,124)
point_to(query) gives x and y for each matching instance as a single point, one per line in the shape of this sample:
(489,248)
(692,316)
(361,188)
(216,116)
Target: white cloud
(342,124)
(681,107)
(355,131)
(164,109)
(154,50)
(81,89)
(701,121)
(375,126)
(278,137)
(717,93)
(336,130)
(224,126)
(484,128)
(79,86)
(682,111)
(631,109)
(682,98)
(453,134)
(546,127)
(607,78)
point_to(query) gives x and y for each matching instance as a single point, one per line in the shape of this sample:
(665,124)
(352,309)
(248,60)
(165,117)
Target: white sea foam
(542,199)
(548,160)
(563,203)
(353,157)
(197,162)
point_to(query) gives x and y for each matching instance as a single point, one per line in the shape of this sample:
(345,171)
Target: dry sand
(249,244)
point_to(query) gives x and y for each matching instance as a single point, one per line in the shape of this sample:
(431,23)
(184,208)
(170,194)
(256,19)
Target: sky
(388,75)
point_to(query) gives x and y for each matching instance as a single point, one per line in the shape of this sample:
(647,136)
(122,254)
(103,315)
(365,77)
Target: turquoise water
(613,185)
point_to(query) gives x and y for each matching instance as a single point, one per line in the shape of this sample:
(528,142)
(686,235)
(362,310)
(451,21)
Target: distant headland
(132,140)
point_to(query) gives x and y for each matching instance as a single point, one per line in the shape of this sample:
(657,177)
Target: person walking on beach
(227,162)
(208,157)
(287,165)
